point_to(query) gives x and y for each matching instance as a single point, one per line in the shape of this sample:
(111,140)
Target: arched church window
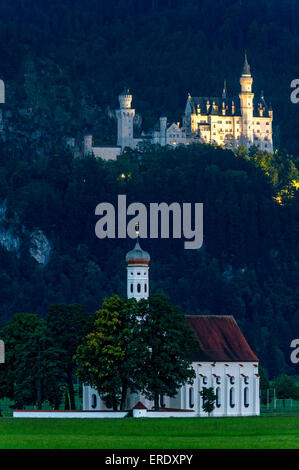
(138,288)
(191,397)
(246,397)
(93,401)
(218,397)
(232,397)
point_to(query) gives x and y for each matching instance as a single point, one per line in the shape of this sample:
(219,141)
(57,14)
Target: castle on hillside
(227,121)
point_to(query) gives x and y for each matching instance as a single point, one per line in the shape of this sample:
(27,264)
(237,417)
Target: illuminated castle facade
(226,121)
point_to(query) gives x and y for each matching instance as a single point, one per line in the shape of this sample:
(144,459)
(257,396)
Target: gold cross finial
(137,229)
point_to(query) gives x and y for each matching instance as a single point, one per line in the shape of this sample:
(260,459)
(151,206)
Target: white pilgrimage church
(225,361)
(229,121)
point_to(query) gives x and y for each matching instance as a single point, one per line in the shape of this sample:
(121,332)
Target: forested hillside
(66,61)
(64,64)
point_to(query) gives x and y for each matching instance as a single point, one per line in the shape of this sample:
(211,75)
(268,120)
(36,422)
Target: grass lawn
(266,432)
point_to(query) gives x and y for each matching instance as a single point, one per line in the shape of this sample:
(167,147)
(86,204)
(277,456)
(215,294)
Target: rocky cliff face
(40,247)
(11,237)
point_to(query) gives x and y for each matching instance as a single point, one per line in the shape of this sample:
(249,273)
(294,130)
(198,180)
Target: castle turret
(87,145)
(2,92)
(125,117)
(163,128)
(246,104)
(137,273)
(2,101)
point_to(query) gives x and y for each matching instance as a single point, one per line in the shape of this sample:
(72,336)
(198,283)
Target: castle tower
(125,117)
(87,145)
(246,104)
(2,102)
(137,273)
(163,128)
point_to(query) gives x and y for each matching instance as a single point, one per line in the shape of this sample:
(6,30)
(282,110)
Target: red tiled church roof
(139,406)
(220,339)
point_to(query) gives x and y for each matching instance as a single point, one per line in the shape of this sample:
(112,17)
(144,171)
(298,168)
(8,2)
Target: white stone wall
(106,153)
(68,414)
(207,375)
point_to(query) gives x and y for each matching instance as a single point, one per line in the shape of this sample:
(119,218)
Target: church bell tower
(137,272)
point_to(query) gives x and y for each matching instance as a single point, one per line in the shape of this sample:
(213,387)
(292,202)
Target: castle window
(246,379)
(218,397)
(205,380)
(93,401)
(232,397)
(131,287)
(191,397)
(138,288)
(138,274)
(232,380)
(218,380)
(246,397)
(145,287)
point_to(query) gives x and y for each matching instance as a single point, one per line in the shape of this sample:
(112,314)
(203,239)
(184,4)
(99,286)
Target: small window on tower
(138,288)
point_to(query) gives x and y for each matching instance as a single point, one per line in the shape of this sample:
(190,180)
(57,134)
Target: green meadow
(265,432)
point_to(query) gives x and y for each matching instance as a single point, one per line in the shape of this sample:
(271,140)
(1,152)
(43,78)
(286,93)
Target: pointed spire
(224,90)
(246,67)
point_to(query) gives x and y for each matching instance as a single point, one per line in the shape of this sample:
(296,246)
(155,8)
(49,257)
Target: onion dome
(137,256)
